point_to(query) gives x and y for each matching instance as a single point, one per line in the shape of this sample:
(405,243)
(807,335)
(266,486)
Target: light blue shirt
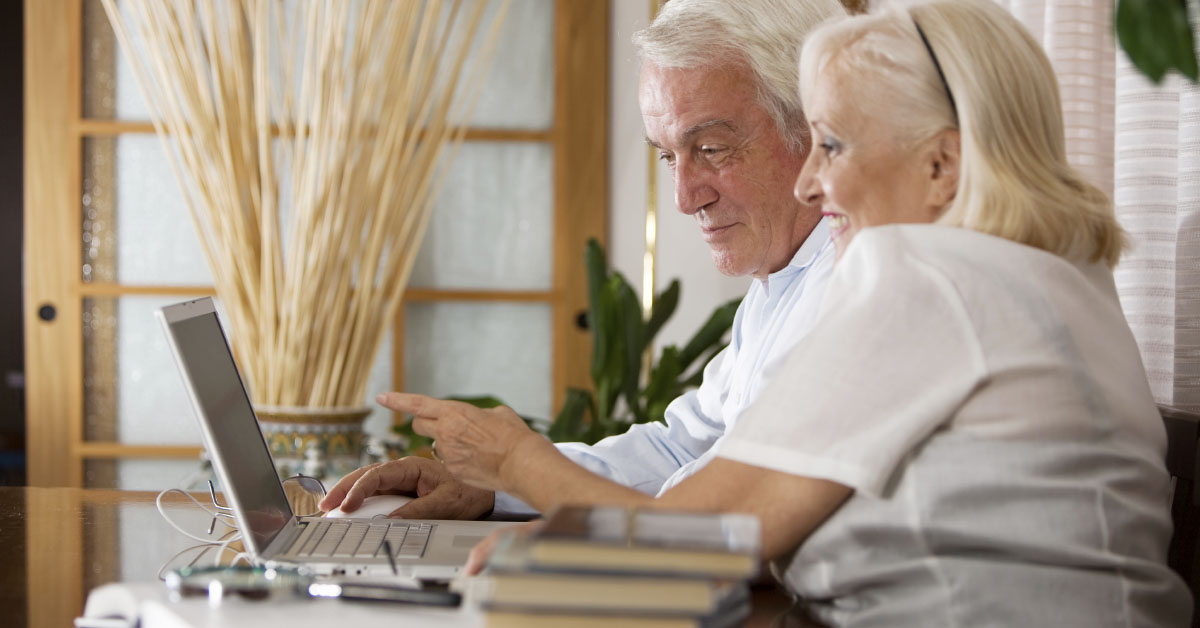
(775,314)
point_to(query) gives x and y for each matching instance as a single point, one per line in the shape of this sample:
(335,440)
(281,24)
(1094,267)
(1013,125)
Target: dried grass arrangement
(309,139)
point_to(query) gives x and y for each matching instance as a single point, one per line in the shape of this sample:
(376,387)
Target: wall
(682,253)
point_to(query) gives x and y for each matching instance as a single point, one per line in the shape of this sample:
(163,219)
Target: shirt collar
(812,247)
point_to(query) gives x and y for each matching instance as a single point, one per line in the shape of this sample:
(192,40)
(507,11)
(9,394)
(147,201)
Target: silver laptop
(272,533)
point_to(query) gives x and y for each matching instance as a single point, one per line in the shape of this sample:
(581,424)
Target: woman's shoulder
(918,241)
(952,250)
(905,257)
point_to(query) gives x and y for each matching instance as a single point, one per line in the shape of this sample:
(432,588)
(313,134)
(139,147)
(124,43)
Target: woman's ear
(945,163)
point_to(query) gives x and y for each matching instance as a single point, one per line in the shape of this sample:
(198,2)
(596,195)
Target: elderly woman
(966,437)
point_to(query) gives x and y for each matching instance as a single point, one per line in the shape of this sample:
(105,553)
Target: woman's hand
(482,447)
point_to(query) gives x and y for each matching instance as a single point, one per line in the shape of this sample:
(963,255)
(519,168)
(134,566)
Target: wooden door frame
(53,354)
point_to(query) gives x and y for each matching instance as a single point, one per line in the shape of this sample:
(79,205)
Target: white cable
(203,548)
(219,517)
(225,548)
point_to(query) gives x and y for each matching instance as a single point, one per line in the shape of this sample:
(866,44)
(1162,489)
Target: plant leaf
(710,334)
(569,424)
(662,310)
(597,276)
(661,388)
(482,401)
(609,358)
(1157,36)
(630,320)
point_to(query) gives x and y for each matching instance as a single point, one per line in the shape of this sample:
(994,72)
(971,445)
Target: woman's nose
(808,189)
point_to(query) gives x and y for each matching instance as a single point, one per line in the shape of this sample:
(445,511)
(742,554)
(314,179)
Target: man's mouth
(714,231)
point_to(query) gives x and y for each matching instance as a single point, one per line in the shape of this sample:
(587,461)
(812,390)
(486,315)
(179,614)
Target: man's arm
(649,453)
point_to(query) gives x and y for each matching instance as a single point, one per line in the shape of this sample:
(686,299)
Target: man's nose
(693,187)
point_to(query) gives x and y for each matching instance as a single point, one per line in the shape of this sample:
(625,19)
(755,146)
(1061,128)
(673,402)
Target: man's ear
(945,162)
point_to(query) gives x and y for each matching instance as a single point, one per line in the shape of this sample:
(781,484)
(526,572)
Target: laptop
(271,531)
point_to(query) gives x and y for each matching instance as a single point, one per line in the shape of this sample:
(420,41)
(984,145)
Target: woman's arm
(789,506)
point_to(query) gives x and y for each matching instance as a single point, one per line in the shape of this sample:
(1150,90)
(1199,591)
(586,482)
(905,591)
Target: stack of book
(608,566)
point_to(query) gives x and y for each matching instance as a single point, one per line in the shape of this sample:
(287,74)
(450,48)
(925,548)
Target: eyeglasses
(303,493)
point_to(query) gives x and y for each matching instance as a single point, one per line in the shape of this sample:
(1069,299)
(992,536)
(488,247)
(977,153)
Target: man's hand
(486,448)
(439,494)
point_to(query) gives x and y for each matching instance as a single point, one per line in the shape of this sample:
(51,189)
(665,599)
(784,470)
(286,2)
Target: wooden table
(56,544)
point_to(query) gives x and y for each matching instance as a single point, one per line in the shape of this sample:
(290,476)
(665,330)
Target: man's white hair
(763,35)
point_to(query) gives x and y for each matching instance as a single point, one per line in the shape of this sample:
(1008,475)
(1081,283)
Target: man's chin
(731,265)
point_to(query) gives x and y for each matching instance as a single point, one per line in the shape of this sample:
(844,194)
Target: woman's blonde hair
(1014,179)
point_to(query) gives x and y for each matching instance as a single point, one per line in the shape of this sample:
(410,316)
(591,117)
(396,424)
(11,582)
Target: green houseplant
(620,338)
(621,395)
(1157,36)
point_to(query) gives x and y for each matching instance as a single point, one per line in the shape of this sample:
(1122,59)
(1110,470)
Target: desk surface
(57,544)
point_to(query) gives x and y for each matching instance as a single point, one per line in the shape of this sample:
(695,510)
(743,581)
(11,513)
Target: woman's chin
(841,242)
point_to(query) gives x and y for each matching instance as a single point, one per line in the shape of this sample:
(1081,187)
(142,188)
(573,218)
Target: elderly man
(719,103)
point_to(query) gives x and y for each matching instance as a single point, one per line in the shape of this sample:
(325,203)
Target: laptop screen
(229,425)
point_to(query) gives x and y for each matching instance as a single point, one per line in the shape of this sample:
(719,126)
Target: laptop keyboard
(361,539)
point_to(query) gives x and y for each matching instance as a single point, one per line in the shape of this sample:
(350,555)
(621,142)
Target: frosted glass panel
(468,349)
(518,91)
(132,203)
(152,405)
(129,104)
(99,80)
(132,390)
(492,227)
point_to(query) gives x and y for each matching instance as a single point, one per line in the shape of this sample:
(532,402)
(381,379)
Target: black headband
(938,66)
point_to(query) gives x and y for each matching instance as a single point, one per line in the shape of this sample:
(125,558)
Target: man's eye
(667,157)
(713,155)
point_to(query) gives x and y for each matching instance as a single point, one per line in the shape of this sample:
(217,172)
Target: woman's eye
(829,146)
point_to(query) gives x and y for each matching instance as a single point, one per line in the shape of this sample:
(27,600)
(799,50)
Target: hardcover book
(602,593)
(605,539)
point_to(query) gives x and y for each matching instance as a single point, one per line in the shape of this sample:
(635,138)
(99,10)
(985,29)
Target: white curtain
(1158,200)
(1140,143)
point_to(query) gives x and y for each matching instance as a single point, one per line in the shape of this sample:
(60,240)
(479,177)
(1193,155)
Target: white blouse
(987,403)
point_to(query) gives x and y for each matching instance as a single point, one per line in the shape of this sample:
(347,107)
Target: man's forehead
(679,103)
